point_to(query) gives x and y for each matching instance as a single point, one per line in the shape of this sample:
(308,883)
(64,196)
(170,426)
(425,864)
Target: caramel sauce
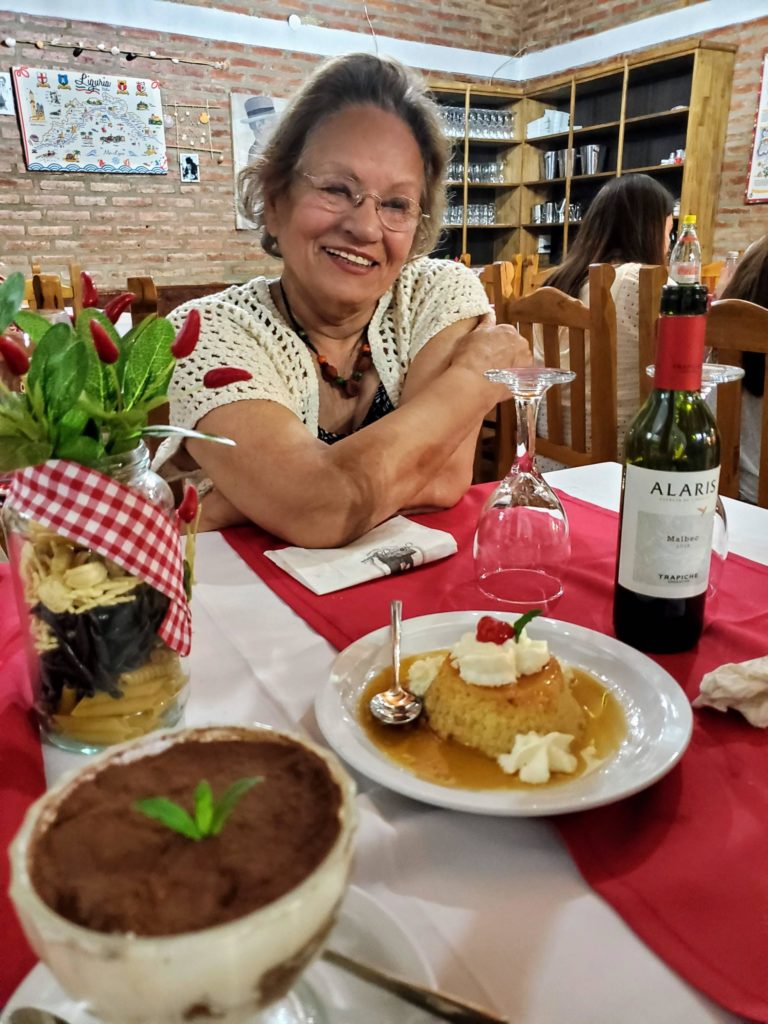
(447,763)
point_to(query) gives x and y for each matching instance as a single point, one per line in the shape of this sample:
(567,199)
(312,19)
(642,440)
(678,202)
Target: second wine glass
(522,544)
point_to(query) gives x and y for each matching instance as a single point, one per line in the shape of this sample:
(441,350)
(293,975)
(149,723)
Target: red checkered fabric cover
(96,511)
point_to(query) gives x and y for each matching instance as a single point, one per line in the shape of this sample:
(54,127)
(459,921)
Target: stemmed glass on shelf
(522,543)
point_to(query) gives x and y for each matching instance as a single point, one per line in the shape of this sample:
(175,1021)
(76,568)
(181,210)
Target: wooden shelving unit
(639,108)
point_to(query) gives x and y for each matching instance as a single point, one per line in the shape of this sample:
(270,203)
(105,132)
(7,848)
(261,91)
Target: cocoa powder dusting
(105,865)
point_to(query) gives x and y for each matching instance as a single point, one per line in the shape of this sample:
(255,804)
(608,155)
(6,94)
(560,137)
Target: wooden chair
(145,303)
(531,273)
(733,328)
(652,279)
(710,273)
(551,311)
(49,292)
(502,281)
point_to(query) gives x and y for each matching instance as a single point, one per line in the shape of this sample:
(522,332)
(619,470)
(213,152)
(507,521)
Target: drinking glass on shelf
(522,543)
(713,374)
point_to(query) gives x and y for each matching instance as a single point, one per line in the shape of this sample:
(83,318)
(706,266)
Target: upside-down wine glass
(713,374)
(522,543)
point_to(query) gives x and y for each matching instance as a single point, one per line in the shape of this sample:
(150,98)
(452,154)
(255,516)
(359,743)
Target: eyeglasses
(338,194)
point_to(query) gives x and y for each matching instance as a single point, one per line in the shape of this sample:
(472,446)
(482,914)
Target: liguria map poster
(79,121)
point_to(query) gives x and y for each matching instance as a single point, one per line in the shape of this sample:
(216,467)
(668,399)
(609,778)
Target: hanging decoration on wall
(253,118)
(757,176)
(189,167)
(6,94)
(192,124)
(78,121)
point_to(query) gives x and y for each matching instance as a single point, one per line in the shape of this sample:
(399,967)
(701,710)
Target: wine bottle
(669,489)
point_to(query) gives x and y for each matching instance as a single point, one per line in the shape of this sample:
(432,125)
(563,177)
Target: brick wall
(549,22)
(117,227)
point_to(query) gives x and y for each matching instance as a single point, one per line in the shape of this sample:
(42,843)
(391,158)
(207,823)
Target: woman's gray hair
(356,79)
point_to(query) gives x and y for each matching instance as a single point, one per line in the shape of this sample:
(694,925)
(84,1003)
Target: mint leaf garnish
(209,816)
(523,621)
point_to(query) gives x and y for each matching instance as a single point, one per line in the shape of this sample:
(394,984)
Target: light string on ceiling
(78,48)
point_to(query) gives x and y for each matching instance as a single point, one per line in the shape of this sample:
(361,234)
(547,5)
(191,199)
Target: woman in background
(627,225)
(750,282)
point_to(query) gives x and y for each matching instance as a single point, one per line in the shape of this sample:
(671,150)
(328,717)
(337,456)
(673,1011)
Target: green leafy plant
(86,392)
(209,815)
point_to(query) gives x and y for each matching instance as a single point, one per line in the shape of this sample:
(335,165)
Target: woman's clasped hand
(366,357)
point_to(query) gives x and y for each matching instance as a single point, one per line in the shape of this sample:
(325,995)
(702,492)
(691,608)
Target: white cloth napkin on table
(396,546)
(742,686)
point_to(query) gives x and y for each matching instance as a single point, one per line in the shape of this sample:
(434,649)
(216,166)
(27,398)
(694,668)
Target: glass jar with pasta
(100,584)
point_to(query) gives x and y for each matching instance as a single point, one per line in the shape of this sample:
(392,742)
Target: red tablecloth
(685,863)
(21,778)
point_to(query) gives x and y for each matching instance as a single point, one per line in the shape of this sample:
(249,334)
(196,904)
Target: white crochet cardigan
(242,327)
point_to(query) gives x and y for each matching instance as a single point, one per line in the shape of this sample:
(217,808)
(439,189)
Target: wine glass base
(521,589)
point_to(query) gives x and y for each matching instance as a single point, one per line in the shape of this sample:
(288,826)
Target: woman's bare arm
(319,495)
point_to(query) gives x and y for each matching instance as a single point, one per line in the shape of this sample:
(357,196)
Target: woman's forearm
(317,495)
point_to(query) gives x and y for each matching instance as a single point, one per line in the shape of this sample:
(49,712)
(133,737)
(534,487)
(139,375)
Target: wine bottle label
(666,531)
(679,352)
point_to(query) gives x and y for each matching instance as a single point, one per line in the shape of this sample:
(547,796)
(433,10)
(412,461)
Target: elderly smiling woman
(367,358)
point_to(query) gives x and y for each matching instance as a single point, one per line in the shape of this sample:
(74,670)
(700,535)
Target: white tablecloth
(495,904)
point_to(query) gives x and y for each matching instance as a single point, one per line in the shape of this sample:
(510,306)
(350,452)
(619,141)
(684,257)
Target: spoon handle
(396,618)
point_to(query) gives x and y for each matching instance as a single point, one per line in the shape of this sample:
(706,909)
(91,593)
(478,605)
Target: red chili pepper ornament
(16,359)
(90,294)
(188,335)
(223,375)
(106,349)
(187,510)
(117,306)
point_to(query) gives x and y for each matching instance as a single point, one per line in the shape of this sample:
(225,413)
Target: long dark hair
(354,80)
(624,224)
(750,282)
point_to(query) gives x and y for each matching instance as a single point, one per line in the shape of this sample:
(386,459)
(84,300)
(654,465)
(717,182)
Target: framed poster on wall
(253,118)
(757,179)
(80,121)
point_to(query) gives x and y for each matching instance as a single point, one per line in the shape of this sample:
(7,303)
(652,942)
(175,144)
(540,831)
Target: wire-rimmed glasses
(522,544)
(339,194)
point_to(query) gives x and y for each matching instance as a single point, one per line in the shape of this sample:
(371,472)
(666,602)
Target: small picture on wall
(6,93)
(190,167)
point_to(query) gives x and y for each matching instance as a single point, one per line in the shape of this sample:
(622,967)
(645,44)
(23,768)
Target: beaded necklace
(348,386)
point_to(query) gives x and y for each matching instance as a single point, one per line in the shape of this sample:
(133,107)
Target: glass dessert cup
(100,672)
(232,972)
(522,542)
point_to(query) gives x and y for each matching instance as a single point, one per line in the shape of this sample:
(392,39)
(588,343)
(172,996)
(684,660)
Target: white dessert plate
(325,995)
(658,715)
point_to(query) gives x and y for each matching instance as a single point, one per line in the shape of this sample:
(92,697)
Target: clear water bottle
(685,261)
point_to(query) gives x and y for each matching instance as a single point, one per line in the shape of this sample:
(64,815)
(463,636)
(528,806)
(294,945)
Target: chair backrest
(710,272)
(733,328)
(651,280)
(145,303)
(531,273)
(550,311)
(502,280)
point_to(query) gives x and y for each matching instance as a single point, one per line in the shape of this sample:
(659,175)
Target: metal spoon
(395,706)
(33,1015)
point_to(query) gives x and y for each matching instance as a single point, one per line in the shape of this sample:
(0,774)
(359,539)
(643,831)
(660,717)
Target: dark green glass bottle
(669,490)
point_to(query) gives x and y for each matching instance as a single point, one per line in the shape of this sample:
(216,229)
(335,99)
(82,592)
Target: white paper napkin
(742,686)
(396,546)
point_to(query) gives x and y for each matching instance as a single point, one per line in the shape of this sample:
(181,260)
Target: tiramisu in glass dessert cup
(145,923)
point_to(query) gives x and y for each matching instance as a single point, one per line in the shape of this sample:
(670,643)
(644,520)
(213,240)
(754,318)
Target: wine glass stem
(527,410)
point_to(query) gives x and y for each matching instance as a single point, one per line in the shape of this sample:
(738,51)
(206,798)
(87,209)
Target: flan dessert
(503,694)
(146,923)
